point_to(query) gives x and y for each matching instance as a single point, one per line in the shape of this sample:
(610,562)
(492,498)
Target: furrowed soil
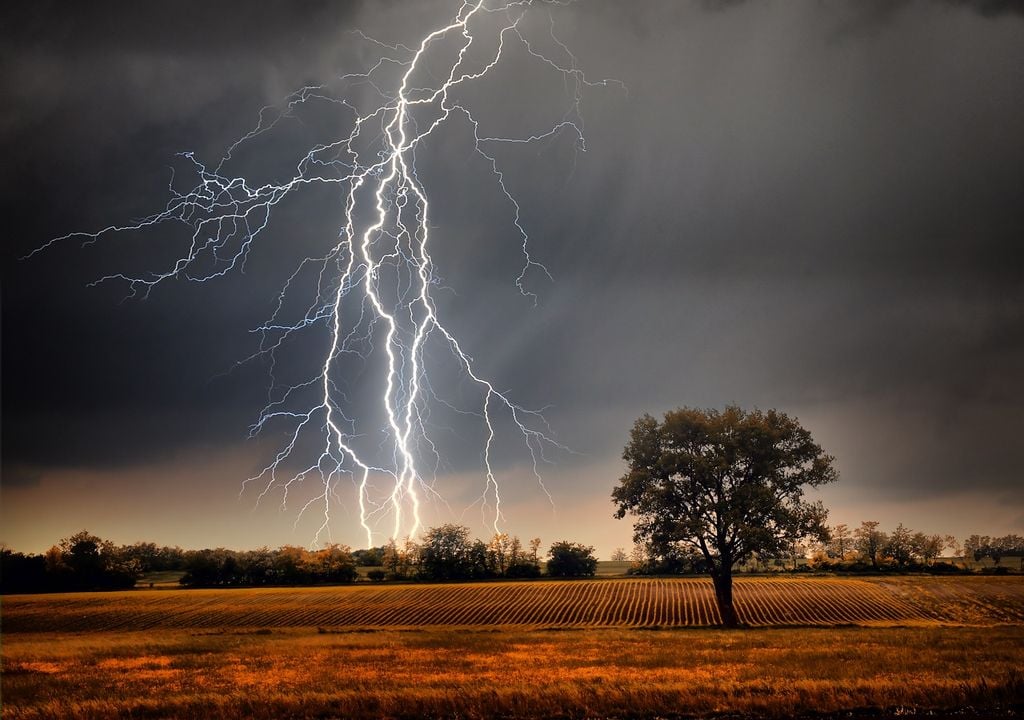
(877,647)
(644,602)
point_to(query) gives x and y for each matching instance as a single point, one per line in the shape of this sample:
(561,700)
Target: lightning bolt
(372,288)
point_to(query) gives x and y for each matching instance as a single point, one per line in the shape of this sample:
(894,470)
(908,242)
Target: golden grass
(303,673)
(601,648)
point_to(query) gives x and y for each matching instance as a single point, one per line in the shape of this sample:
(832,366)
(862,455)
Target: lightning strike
(373,286)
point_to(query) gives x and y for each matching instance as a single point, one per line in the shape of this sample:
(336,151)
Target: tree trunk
(723,596)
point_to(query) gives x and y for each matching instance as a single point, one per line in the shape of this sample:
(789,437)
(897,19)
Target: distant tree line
(86,562)
(448,553)
(867,548)
(994,548)
(79,562)
(287,565)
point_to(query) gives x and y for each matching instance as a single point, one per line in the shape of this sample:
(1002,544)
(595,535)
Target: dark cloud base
(769,218)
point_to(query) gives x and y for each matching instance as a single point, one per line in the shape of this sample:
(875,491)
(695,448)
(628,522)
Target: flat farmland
(644,602)
(636,648)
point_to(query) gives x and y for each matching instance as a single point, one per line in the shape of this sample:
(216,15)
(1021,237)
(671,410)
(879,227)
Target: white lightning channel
(385,234)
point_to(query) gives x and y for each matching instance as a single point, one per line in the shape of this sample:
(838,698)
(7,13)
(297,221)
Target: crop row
(674,602)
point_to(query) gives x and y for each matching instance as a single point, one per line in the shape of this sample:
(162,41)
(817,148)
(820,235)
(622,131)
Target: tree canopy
(724,484)
(571,559)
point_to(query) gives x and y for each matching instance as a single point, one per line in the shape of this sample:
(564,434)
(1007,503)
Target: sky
(814,207)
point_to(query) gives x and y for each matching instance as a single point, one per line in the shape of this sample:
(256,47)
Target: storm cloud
(814,207)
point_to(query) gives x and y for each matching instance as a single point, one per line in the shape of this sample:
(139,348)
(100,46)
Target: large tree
(724,484)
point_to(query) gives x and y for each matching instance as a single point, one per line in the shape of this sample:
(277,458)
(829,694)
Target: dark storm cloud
(190,27)
(872,15)
(885,9)
(768,218)
(99,99)
(985,8)
(150,59)
(823,225)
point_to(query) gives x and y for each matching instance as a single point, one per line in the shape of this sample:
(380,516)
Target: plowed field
(587,603)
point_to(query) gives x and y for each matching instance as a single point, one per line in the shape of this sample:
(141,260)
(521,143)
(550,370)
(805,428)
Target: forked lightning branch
(373,285)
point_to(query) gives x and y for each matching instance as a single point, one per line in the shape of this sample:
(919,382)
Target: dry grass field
(589,649)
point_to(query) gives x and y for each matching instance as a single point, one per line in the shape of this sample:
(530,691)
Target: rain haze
(814,207)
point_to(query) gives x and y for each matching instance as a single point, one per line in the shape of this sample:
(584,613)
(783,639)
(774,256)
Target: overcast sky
(816,207)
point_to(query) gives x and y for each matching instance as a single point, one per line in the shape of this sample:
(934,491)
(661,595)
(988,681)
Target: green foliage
(401,560)
(86,562)
(570,559)
(152,557)
(676,559)
(724,484)
(446,553)
(370,557)
(288,565)
(523,569)
(727,484)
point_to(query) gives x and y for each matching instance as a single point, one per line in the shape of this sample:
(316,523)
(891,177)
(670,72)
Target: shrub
(523,569)
(999,570)
(569,559)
